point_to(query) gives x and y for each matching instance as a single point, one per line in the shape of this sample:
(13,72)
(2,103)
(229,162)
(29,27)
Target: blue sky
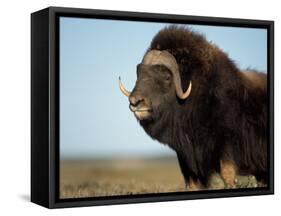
(95,120)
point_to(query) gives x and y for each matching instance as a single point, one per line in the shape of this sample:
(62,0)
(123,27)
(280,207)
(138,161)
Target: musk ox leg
(191,183)
(194,185)
(228,171)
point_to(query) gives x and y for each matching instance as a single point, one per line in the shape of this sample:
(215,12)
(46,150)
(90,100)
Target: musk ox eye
(167,77)
(166,74)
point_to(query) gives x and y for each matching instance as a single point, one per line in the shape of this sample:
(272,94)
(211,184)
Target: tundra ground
(96,178)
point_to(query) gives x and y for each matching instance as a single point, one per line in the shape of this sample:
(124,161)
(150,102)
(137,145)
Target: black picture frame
(45,106)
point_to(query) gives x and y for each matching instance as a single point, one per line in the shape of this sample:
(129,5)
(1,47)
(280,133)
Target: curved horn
(123,89)
(177,81)
(167,59)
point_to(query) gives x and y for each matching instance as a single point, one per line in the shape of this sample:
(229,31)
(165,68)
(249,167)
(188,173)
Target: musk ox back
(190,96)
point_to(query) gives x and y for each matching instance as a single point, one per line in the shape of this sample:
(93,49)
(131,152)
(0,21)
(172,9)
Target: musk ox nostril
(135,100)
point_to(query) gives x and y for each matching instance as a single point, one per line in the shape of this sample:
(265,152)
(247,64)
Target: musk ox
(192,97)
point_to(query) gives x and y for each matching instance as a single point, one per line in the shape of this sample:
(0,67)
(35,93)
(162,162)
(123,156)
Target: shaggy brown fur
(224,118)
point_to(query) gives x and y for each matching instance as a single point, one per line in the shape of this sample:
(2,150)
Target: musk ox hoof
(247,182)
(216,182)
(193,185)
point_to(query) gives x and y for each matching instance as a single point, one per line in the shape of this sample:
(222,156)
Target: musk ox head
(158,85)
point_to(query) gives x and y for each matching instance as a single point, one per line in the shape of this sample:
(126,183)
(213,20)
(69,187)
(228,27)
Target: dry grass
(95,178)
(119,177)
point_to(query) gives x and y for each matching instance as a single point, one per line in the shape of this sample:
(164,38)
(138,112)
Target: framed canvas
(139,107)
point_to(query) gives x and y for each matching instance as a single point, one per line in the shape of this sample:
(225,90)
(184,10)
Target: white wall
(15,106)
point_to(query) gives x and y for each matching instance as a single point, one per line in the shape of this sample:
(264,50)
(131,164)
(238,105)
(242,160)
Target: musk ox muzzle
(156,57)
